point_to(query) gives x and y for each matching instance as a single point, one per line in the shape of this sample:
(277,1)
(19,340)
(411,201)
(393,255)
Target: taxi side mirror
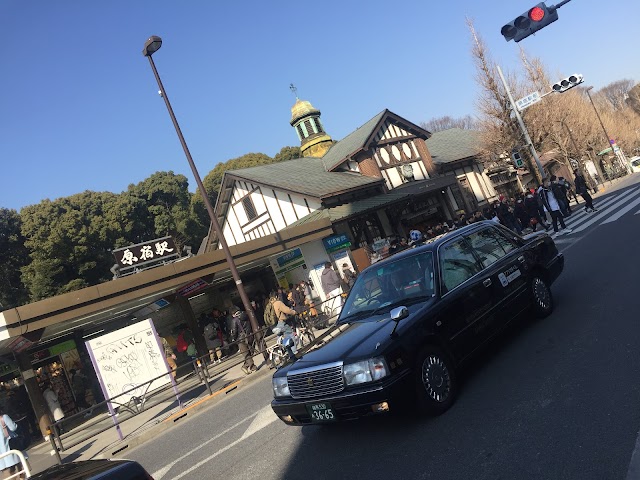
(398,314)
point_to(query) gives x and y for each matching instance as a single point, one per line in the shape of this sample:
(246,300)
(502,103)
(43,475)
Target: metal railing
(64,434)
(23,462)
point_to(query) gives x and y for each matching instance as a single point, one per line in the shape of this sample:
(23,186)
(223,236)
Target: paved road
(555,399)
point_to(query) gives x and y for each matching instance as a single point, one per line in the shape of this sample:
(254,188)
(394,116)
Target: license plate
(321,412)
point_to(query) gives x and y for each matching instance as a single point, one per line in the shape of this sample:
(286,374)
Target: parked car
(635,164)
(95,470)
(411,320)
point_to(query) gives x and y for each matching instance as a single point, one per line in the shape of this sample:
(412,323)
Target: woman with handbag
(10,463)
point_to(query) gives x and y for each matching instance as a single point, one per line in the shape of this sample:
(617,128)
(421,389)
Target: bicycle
(281,351)
(303,329)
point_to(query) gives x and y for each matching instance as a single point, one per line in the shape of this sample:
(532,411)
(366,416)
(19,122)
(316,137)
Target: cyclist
(282,314)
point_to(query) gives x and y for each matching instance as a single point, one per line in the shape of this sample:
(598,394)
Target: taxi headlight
(365,371)
(280,387)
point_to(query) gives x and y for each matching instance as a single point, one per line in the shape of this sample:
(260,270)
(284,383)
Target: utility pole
(539,172)
(612,144)
(575,146)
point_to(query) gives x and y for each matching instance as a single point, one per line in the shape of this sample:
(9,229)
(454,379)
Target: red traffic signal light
(529,22)
(536,14)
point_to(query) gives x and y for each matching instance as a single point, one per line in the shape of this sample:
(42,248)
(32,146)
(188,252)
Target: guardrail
(23,462)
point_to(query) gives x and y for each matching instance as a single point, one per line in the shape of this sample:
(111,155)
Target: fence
(23,463)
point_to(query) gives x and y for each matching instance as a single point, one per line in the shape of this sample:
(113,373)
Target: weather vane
(293,88)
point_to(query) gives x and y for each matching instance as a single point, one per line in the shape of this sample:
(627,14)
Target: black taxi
(412,319)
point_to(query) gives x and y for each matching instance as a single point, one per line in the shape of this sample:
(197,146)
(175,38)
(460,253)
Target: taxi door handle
(521,258)
(487,282)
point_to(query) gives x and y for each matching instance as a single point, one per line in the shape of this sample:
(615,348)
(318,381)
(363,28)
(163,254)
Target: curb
(122,447)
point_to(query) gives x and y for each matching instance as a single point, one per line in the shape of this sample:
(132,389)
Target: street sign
(527,101)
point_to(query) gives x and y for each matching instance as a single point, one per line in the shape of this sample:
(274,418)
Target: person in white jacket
(53,403)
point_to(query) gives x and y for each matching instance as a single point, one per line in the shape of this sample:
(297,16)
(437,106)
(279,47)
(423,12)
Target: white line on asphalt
(264,417)
(637,212)
(634,465)
(621,199)
(576,217)
(164,470)
(622,211)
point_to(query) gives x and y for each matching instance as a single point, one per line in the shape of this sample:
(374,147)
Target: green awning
(606,150)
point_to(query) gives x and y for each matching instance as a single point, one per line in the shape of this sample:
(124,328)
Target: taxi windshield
(405,280)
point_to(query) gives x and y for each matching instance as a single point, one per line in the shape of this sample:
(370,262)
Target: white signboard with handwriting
(127,359)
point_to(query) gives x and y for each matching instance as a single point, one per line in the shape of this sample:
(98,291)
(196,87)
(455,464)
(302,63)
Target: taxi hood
(359,340)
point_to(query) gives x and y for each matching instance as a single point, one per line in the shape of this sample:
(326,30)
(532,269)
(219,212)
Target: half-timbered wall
(478,181)
(394,158)
(257,211)
(396,154)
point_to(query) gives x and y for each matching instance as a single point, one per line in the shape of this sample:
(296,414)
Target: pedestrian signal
(518,162)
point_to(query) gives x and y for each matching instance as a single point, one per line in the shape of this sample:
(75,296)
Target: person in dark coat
(583,190)
(506,216)
(239,330)
(559,189)
(531,206)
(521,213)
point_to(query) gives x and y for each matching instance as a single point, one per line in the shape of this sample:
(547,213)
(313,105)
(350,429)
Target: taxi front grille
(315,383)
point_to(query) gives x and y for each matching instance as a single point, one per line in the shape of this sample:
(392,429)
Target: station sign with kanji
(148,252)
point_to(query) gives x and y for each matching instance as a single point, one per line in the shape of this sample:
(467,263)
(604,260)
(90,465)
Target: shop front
(54,364)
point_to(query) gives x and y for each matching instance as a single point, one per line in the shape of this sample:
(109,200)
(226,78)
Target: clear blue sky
(79,108)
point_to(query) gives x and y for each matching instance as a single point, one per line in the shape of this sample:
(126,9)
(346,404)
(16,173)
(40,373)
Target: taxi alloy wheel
(542,298)
(436,383)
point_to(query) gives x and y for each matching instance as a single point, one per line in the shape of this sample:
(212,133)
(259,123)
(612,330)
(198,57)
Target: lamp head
(152,45)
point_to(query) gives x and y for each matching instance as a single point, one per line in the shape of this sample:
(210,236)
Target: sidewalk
(163,414)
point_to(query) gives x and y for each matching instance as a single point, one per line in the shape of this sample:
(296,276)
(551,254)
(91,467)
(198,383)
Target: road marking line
(575,219)
(222,390)
(164,470)
(637,212)
(600,213)
(263,418)
(622,211)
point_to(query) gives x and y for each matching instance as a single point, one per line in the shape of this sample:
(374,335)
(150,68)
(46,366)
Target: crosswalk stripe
(577,216)
(638,212)
(575,219)
(600,213)
(622,211)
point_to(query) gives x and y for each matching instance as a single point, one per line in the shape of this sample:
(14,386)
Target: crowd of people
(229,331)
(546,207)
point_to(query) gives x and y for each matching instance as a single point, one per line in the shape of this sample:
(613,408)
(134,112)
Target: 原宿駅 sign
(147,252)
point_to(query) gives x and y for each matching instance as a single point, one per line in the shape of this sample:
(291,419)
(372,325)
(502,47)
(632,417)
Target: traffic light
(567,83)
(517,159)
(529,22)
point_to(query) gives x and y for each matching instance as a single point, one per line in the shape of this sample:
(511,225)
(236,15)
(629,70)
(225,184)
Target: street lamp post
(609,139)
(151,46)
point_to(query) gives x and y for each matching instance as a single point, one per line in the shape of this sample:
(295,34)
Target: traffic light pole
(540,176)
